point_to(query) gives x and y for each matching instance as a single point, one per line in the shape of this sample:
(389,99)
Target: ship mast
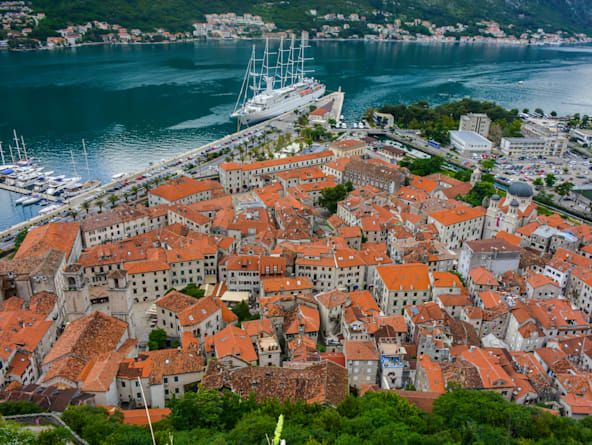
(279,68)
(291,73)
(242,96)
(86,158)
(2,153)
(73,163)
(24,148)
(18,150)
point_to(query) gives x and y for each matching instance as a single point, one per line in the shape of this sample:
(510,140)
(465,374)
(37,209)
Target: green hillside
(175,15)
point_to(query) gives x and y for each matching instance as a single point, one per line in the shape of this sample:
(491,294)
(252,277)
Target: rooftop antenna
(147,412)
(73,163)
(86,158)
(2,153)
(17,144)
(24,148)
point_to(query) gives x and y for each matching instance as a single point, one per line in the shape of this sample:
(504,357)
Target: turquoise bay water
(136,104)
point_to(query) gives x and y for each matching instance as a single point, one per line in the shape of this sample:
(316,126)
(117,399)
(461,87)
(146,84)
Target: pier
(74,203)
(22,191)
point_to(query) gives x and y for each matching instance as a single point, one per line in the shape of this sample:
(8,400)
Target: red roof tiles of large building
(322,382)
(88,337)
(275,162)
(360,350)
(57,236)
(483,277)
(234,341)
(184,187)
(175,301)
(204,307)
(405,276)
(454,216)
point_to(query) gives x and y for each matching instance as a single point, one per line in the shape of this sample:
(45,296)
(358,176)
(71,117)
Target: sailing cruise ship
(268,91)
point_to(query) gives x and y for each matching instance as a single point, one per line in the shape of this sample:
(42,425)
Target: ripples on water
(136,104)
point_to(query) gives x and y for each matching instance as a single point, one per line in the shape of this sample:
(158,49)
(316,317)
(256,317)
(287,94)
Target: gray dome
(514,203)
(495,197)
(521,190)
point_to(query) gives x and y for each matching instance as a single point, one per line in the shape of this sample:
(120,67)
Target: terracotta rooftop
(323,382)
(405,276)
(57,236)
(88,337)
(360,350)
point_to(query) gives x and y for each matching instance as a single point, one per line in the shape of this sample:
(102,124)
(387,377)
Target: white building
(583,136)
(533,147)
(475,122)
(470,142)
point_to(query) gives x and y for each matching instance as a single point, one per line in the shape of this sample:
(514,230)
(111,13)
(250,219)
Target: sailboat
(267,92)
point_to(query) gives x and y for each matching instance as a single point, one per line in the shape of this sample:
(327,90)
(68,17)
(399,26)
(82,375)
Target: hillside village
(258,288)
(19,23)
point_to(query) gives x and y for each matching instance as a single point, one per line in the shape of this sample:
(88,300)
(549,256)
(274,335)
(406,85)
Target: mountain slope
(569,15)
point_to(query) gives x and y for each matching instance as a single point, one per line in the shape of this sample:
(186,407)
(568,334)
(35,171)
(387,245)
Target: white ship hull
(291,103)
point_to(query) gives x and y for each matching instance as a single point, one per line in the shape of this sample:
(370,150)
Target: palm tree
(126,195)
(156,181)
(85,206)
(135,191)
(113,200)
(100,203)
(73,213)
(147,186)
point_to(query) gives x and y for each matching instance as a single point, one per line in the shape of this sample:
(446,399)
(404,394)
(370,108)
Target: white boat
(118,176)
(355,125)
(49,209)
(267,91)
(32,200)
(21,200)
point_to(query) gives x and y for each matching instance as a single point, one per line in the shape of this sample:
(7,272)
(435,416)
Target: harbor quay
(173,164)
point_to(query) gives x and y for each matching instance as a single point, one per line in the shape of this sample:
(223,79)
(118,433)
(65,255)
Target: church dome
(520,189)
(514,203)
(495,197)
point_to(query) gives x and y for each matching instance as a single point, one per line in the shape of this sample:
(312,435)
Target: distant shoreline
(337,39)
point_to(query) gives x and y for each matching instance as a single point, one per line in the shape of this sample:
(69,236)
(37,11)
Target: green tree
(135,190)
(539,111)
(525,110)
(113,200)
(100,203)
(193,291)
(538,181)
(19,238)
(478,193)
(331,196)
(85,206)
(21,407)
(564,188)
(157,339)
(241,310)
(487,164)
(554,113)
(550,179)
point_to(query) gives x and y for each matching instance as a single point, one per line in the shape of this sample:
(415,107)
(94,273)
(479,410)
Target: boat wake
(218,116)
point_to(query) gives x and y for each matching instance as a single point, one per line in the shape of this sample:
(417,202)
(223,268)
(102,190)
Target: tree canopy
(458,417)
(330,197)
(157,339)
(422,167)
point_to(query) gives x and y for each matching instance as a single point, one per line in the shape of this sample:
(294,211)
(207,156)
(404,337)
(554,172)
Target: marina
(170,166)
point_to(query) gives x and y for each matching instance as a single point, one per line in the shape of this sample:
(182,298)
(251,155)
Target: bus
(434,144)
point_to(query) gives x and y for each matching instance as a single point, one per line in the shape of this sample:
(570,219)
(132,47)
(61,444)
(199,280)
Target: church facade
(510,213)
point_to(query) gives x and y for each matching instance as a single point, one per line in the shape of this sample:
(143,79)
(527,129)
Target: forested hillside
(175,15)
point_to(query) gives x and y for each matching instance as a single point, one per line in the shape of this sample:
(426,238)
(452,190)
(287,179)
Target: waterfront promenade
(75,202)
